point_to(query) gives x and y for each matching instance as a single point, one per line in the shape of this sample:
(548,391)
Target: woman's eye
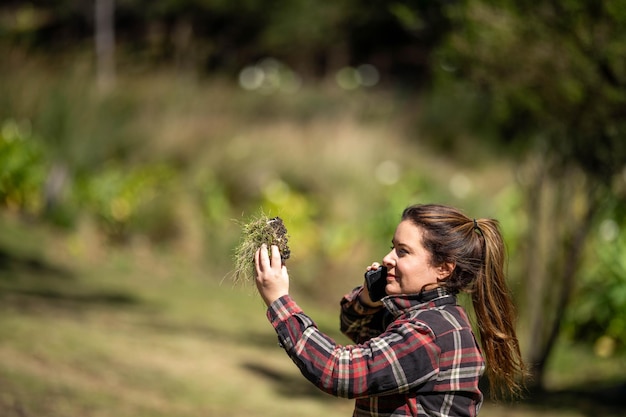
(401,252)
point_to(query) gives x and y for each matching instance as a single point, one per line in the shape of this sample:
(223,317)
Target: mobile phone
(376,281)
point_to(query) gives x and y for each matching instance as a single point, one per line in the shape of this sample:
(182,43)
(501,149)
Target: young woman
(415,353)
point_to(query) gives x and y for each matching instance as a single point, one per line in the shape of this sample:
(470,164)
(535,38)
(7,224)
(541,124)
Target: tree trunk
(534,270)
(105,44)
(573,249)
(560,215)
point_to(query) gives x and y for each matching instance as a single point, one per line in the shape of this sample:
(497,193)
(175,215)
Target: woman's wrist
(365,306)
(359,299)
(363,297)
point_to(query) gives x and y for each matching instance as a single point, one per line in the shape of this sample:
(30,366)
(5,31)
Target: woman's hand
(272,278)
(364,296)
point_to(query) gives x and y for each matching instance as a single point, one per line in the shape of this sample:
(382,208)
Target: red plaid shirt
(416,357)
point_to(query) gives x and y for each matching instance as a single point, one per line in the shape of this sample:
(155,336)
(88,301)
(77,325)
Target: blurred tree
(221,36)
(105,43)
(547,81)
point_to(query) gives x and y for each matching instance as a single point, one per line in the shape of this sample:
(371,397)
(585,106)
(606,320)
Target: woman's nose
(388,259)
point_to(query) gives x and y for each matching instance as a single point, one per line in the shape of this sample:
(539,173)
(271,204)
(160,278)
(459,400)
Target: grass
(255,232)
(126,338)
(142,333)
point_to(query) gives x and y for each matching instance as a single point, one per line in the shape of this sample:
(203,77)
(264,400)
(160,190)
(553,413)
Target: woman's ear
(445,270)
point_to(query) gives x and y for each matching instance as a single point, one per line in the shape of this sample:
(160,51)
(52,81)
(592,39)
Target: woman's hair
(476,249)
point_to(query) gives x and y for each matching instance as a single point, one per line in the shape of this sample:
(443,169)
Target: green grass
(142,333)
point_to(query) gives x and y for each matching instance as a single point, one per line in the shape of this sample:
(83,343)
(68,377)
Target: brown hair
(476,248)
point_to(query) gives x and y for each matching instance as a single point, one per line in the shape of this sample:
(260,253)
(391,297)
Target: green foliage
(551,79)
(599,315)
(22,169)
(126,200)
(300,209)
(214,200)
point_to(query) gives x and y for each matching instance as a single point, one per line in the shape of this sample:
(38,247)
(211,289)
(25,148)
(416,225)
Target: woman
(415,353)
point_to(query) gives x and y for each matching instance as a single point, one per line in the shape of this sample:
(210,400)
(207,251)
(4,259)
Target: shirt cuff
(351,303)
(281,309)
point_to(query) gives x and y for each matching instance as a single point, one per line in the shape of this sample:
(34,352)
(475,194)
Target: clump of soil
(259,230)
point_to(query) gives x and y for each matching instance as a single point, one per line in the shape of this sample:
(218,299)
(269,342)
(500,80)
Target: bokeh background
(137,136)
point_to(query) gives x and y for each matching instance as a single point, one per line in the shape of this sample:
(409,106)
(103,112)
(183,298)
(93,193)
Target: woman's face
(408,263)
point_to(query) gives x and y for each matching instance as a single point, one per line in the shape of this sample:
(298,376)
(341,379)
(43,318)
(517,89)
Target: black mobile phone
(376,281)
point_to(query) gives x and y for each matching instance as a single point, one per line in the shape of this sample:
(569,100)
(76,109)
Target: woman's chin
(391,289)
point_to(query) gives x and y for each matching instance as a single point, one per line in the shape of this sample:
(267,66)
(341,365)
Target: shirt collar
(400,304)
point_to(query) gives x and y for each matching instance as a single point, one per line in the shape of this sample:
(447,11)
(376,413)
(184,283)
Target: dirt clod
(279,237)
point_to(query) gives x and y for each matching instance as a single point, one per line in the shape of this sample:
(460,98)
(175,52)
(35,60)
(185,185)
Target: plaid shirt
(416,357)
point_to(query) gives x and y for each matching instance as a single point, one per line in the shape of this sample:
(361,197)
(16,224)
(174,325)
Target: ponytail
(476,248)
(495,315)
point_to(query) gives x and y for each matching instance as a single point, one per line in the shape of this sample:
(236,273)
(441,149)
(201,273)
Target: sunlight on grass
(182,344)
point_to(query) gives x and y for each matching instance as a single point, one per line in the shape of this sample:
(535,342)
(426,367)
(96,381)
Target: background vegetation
(135,136)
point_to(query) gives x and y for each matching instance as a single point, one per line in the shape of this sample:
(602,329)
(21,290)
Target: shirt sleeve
(398,360)
(358,322)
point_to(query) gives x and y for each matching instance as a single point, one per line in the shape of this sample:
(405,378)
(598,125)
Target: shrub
(23,167)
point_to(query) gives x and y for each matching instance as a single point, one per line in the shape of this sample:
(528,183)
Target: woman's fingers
(374,265)
(276,261)
(262,260)
(272,279)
